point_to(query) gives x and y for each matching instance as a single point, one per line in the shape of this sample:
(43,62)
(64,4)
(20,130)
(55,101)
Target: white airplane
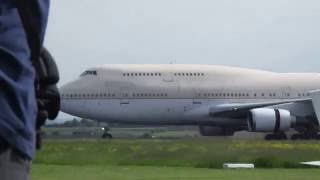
(220,100)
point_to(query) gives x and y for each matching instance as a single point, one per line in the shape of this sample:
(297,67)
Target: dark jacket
(18,107)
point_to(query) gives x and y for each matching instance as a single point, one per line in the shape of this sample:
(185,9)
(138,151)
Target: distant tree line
(75,123)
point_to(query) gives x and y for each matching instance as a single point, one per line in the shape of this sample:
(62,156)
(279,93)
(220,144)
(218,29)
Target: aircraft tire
(295,137)
(269,137)
(107,136)
(282,136)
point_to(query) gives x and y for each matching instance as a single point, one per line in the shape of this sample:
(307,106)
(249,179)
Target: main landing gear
(276,136)
(310,132)
(306,136)
(300,136)
(106,134)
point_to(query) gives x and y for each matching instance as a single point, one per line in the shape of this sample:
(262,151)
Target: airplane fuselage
(179,94)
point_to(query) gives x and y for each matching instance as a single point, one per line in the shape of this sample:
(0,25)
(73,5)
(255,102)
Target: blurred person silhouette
(28,77)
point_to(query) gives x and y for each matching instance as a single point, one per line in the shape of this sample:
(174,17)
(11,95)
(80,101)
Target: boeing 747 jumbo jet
(220,100)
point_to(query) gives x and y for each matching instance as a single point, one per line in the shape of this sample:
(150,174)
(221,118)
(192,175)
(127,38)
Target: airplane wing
(240,109)
(315,95)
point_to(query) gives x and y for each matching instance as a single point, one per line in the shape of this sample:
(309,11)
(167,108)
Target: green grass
(54,172)
(200,153)
(173,159)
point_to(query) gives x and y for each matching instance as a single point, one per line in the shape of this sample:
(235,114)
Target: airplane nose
(63,95)
(69,100)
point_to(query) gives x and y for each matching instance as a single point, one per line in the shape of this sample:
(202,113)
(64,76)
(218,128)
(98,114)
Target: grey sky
(277,35)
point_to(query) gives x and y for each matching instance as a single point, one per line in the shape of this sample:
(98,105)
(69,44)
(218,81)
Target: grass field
(91,172)
(174,159)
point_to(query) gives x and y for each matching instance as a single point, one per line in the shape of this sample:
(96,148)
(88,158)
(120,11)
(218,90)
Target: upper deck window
(93,73)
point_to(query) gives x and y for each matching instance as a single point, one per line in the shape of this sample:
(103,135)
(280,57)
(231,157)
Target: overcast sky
(275,35)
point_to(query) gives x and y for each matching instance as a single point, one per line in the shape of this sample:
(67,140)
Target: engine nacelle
(215,131)
(270,120)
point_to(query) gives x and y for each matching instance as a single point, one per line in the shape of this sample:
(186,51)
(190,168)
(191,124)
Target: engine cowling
(215,131)
(270,120)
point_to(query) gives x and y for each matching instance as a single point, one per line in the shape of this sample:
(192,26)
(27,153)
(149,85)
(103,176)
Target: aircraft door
(199,98)
(168,77)
(124,96)
(196,98)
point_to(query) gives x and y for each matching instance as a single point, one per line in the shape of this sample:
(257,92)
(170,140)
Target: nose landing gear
(106,134)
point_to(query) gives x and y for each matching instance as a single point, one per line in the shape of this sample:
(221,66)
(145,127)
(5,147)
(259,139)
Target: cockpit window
(93,73)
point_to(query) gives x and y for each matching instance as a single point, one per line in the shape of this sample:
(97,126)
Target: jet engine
(270,120)
(215,131)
